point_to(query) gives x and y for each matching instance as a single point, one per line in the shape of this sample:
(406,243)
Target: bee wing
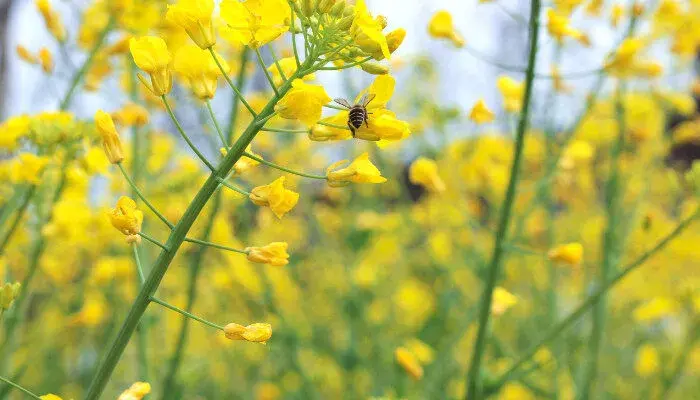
(367,98)
(343,103)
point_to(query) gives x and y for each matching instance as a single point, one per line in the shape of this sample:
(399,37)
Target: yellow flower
(303,102)
(127,218)
(625,56)
(647,361)
(393,41)
(151,54)
(194,16)
(557,81)
(322,133)
(654,309)
(244,163)
(52,20)
(408,362)
(480,113)
(12,130)
(289,67)
(8,294)
(361,170)
(424,172)
(578,152)
(570,253)
(616,14)
(512,93)
(131,114)
(501,301)
(137,391)
(276,196)
(24,54)
(367,31)
(200,70)
(441,27)
(110,137)
(255,22)
(594,7)
(257,332)
(27,168)
(50,396)
(274,254)
(558,27)
(46,60)
(423,352)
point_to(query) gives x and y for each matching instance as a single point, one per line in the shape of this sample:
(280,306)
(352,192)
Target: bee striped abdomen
(357,116)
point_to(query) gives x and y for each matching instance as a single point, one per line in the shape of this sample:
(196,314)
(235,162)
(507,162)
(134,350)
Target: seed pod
(374,68)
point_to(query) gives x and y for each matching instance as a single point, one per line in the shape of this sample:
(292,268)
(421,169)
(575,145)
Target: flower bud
(338,8)
(258,332)
(374,68)
(110,138)
(325,6)
(408,362)
(127,218)
(308,7)
(346,22)
(274,254)
(570,253)
(8,294)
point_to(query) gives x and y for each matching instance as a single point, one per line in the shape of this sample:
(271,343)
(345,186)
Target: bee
(357,114)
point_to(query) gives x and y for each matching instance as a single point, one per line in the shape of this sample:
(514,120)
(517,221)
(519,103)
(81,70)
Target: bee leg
(367,122)
(352,129)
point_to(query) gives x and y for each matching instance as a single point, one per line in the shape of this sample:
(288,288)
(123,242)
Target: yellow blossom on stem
(512,92)
(50,396)
(111,143)
(502,300)
(255,22)
(655,309)
(127,218)
(24,54)
(27,168)
(46,60)
(570,253)
(52,20)
(424,172)
(577,153)
(480,113)
(442,27)
(367,31)
(194,16)
(394,39)
(322,133)
(151,54)
(198,67)
(382,123)
(558,27)
(244,163)
(274,254)
(276,196)
(423,352)
(131,114)
(137,391)
(361,170)
(303,102)
(12,130)
(289,67)
(408,362)
(647,361)
(8,294)
(257,332)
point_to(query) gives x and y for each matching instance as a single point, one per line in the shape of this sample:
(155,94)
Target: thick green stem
(173,243)
(78,77)
(611,248)
(593,299)
(493,272)
(26,199)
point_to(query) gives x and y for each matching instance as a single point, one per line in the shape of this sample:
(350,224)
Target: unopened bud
(374,68)
(382,21)
(325,6)
(308,7)
(346,22)
(349,10)
(638,9)
(338,8)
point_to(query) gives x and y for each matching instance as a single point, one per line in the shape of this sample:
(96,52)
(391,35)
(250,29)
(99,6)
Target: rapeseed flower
(442,27)
(480,113)
(570,253)
(424,172)
(200,70)
(408,362)
(257,332)
(512,92)
(274,254)
(280,199)
(151,54)
(303,102)
(367,32)
(255,22)
(127,218)
(194,16)
(361,170)
(111,143)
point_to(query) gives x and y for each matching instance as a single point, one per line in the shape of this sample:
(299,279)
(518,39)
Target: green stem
(78,77)
(175,239)
(333,125)
(271,48)
(281,168)
(137,260)
(214,245)
(230,82)
(140,195)
(216,125)
(294,42)
(184,135)
(186,314)
(594,298)
(234,188)
(29,193)
(280,130)
(240,82)
(333,106)
(493,272)
(345,66)
(611,248)
(20,388)
(152,240)
(669,381)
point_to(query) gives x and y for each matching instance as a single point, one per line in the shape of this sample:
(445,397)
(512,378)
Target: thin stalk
(294,42)
(78,77)
(140,195)
(670,380)
(184,135)
(230,83)
(216,125)
(152,240)
(186,314)
(280,130)
(271,48)
(594,298)
(20,388)
(333,106)
(281,168)
(214,245)
(177,236)
(234,188)
(198,256)
(333,125)
(137,260)
(18,217)
(493,272)
(611,248)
